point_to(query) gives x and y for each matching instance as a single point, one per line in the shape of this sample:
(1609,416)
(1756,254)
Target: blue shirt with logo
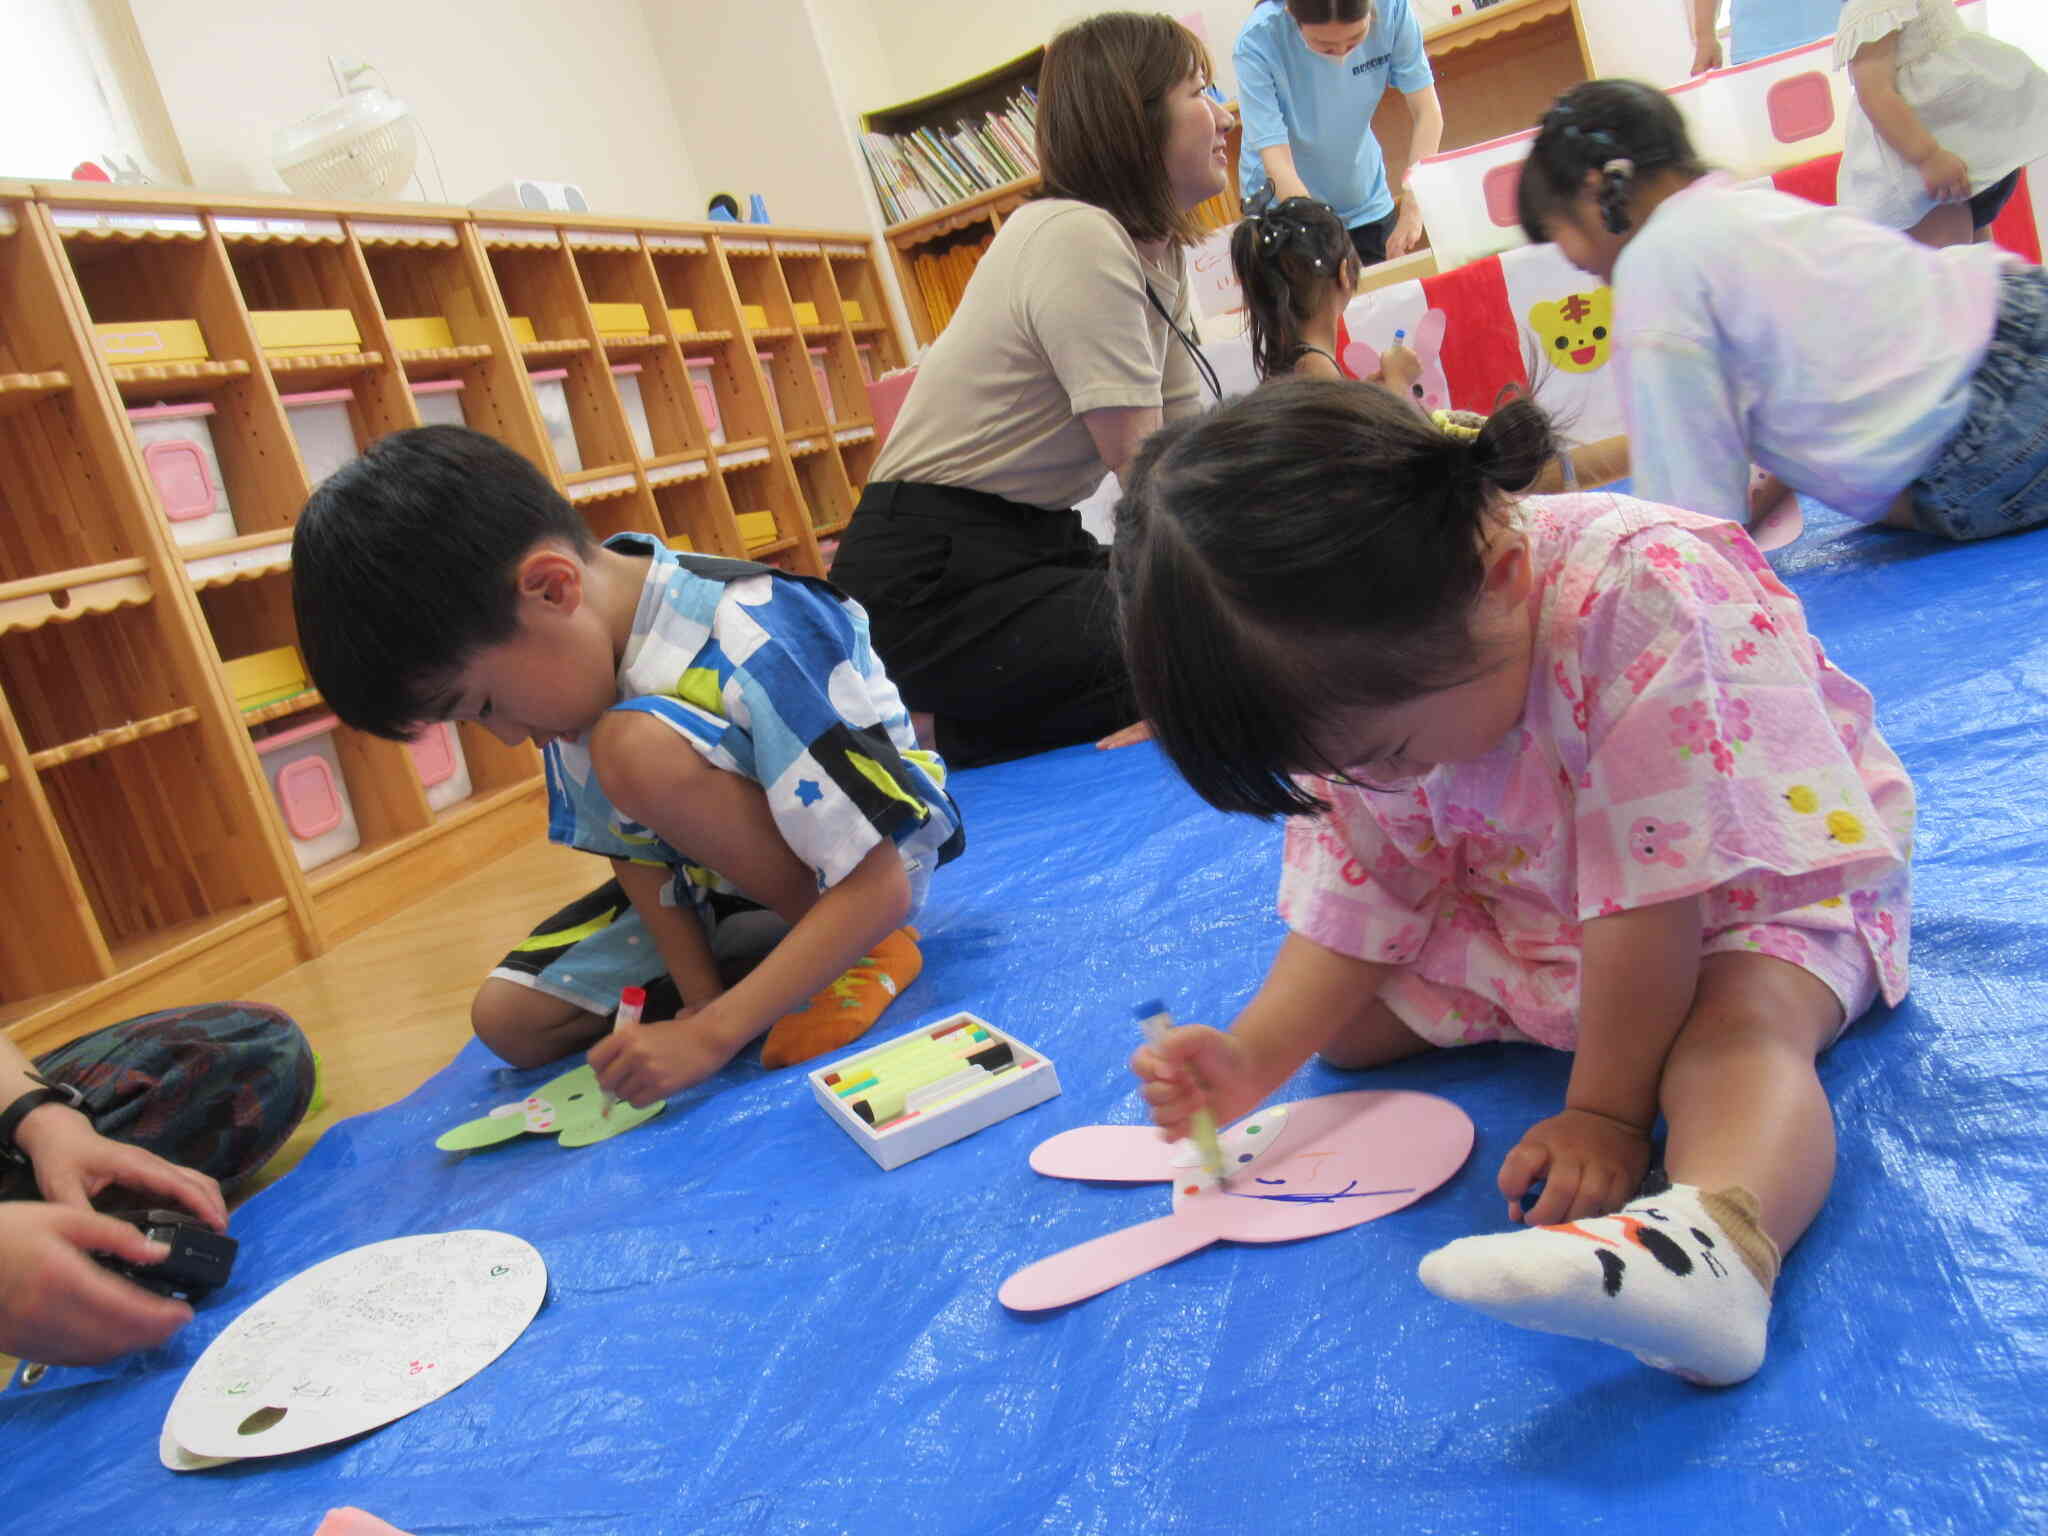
(1322,108)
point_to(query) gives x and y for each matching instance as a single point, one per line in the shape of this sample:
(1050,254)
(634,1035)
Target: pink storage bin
(551,394)
(443,770)
(177,451)
(865,351)
(627,377)
(700,371)
(305,779)
(440,403)
(821,373)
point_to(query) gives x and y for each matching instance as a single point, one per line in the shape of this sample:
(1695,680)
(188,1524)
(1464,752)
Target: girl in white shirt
(1949,117)
(1891,381)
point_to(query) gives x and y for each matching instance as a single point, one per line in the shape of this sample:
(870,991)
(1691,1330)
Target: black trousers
(994,617)
(1370,240)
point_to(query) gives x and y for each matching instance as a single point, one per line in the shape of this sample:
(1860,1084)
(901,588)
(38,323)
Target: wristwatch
(12,1116)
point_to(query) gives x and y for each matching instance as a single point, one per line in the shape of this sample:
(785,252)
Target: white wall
(924,48)
(759,108)
(558,92)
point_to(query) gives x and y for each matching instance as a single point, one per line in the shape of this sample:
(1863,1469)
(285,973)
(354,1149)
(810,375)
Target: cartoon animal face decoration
(1575,332)
(1653,1248)
(1413,367)
(1296,1170)
(1652,841)
(570,1108)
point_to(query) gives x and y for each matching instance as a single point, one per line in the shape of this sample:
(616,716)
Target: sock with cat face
(1682,1280)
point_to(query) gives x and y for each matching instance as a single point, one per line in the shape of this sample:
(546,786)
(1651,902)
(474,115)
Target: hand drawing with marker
(1295,1170)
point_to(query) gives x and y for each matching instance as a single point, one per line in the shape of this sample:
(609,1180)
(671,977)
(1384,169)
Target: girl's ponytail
(1514,444)
(1287,257)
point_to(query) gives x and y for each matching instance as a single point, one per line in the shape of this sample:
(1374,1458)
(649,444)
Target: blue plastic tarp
(751,1328)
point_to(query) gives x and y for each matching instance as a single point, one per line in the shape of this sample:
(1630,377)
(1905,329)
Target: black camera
(197,1265)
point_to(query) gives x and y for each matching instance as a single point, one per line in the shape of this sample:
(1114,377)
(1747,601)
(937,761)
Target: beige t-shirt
(1054,323)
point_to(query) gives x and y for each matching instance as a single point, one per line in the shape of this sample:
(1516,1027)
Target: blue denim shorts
(1992,476)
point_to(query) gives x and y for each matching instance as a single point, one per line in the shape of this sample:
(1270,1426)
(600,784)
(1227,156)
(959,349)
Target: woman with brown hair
(989,602)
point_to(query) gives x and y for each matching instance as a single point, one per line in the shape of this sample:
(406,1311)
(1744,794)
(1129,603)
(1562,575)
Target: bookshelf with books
(1496,69)
(938,165)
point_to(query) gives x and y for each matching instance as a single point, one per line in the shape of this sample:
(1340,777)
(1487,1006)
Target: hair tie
(1620,165)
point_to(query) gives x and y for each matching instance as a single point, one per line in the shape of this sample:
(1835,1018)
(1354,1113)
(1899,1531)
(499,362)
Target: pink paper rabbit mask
(1297,1170)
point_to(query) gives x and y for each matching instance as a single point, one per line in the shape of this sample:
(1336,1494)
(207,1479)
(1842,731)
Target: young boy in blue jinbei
(712,727)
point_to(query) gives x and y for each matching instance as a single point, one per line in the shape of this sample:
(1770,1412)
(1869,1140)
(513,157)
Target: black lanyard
(1201,363)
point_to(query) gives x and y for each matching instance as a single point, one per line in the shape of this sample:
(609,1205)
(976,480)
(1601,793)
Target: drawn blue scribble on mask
(1348,1192)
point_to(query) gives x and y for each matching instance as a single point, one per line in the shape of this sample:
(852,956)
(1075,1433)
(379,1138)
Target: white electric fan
(360,149)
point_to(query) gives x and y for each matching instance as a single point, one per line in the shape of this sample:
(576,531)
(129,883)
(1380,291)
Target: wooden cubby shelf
(70,595)
(417,359)
(298,704)
(144,382)
(138,816)
(19,391)
(117,736)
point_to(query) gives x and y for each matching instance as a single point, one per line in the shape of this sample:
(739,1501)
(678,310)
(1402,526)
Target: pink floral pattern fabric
(1684,735)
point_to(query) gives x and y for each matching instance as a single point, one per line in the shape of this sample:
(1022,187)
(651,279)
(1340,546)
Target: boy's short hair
(403,569)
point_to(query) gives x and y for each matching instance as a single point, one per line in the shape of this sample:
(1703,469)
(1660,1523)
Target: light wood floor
(390,1007)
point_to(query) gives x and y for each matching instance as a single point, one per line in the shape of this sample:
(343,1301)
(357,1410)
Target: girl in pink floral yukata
(1567,770)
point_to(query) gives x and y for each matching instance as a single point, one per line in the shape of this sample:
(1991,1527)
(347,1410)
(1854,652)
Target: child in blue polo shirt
(1309,75)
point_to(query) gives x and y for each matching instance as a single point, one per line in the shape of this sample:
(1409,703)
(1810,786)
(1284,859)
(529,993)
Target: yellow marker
(1153,1018)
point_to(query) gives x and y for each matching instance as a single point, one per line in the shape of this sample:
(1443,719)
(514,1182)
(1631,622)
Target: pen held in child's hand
(1153,1018)
(631,1001)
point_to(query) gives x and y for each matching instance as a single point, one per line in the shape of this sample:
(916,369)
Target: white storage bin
(440,403)
(551,393)
(305,777)
(177,450)
(627,377)
(320,423)
(700,369)
(1769,113)
(443,770)
(1468,198)
(821,373)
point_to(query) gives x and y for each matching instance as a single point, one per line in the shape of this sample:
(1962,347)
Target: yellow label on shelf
(754,317)
(522,329)
(683,321)
(421,334)
(806,312)
(757,528)
(855,315)
(266,677)
(305,332)
(681,544)
(620,319)
(151,341)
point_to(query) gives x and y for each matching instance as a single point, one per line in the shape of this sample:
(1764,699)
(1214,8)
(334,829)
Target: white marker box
(1029,1080)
